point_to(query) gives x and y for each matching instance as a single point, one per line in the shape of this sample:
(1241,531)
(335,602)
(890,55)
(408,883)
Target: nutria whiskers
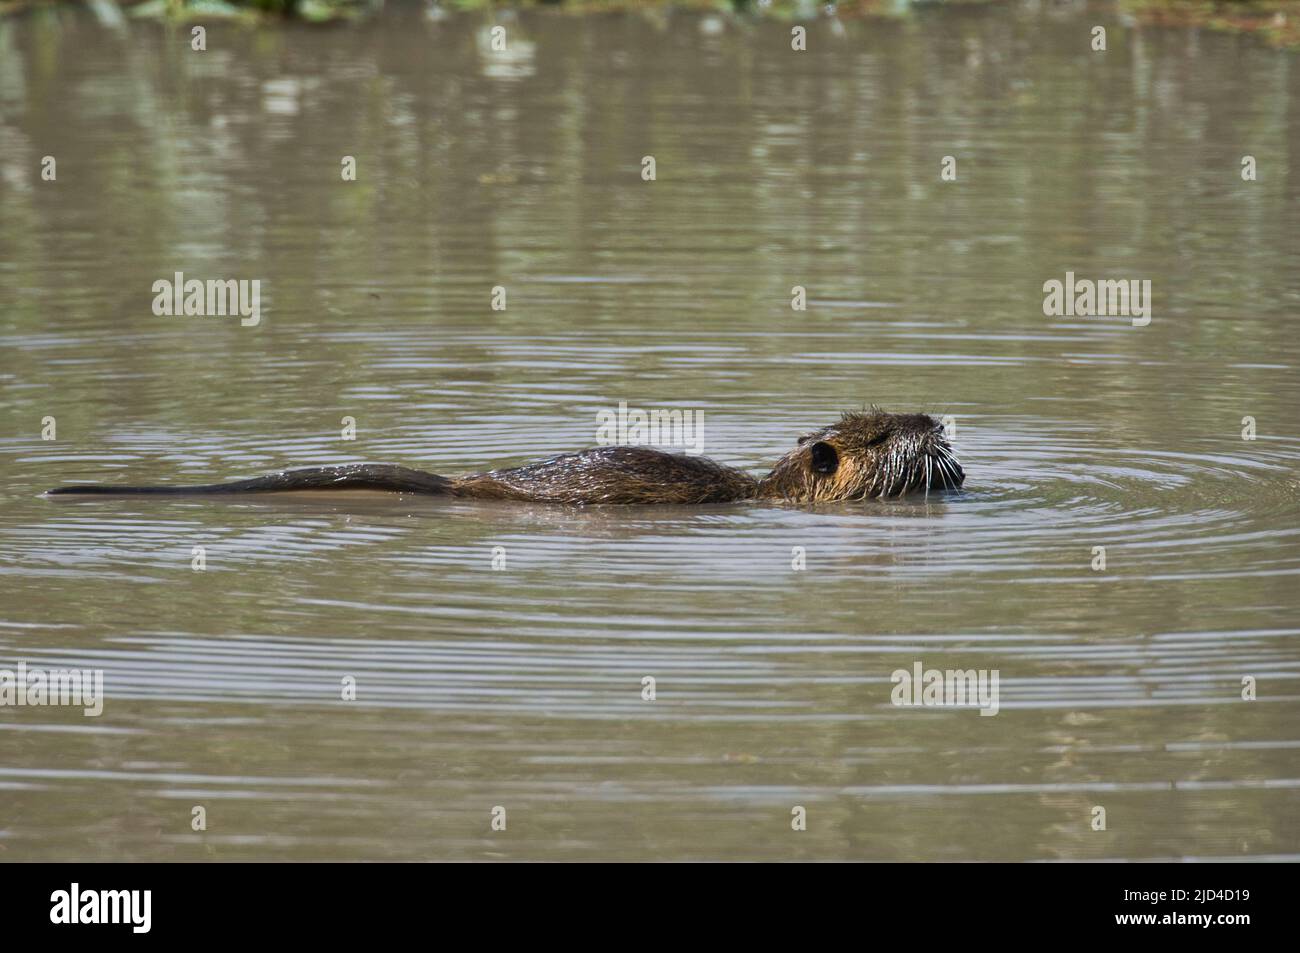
(863,456)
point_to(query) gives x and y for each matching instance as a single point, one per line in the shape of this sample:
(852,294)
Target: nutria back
(614,475)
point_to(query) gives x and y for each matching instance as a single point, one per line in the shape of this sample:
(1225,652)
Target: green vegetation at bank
(1276,22)
(352,9)
(111,11)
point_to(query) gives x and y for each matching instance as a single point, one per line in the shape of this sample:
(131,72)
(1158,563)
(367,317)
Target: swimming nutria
(864,455)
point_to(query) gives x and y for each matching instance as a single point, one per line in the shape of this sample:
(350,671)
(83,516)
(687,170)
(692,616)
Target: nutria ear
(824,458)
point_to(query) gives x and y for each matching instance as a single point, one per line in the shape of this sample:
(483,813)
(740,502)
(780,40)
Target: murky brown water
(522,687)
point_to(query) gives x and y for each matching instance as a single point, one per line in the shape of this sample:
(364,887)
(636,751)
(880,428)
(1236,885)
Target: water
(521,687)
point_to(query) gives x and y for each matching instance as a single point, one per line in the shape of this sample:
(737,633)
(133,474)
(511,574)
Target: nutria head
(866,455)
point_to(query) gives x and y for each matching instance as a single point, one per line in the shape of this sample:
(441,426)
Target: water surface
(521,687)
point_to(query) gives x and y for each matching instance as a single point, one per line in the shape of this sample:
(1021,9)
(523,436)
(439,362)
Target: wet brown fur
(864,455)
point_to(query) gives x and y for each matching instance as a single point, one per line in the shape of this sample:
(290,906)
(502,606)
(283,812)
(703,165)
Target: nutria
(864,455)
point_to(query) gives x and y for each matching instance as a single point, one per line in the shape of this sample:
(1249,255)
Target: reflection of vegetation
(463,166)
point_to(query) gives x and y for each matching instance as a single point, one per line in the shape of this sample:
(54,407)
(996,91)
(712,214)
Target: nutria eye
(824,458)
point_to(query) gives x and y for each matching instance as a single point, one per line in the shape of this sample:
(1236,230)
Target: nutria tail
(361,476)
